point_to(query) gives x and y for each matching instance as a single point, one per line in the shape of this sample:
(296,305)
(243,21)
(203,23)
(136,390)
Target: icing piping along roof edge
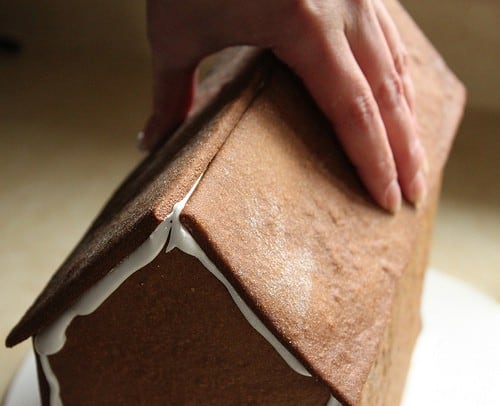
(173,234)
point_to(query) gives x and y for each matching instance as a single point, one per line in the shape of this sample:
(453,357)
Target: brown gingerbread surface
(189,346)
(150,191)
(283,215)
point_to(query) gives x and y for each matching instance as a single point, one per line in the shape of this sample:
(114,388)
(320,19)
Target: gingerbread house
(243,262)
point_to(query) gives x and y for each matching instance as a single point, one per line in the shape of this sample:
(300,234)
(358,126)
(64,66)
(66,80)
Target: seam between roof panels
(250,74)
(261,82)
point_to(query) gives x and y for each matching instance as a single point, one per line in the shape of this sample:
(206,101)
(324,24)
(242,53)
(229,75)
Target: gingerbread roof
(279,210)
(148,194)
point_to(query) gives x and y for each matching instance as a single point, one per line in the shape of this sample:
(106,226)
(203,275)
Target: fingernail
(418,189)
(393,197)
(140,140)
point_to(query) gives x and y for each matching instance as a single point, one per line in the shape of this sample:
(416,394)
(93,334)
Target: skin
(348,53)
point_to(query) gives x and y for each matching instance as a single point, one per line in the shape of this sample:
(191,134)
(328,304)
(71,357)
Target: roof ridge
(148,193)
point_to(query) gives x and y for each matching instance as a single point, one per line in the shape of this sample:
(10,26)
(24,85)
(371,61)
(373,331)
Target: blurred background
(75,94)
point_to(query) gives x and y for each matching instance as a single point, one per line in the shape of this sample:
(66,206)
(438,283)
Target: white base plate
(456,360)
(457,357)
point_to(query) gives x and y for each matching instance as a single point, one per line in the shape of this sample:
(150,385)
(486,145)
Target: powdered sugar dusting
(288,271)
(291,283)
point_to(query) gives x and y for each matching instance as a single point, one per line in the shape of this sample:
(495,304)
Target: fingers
(338,85)
(173,93)
(384,76)
(398,50)
(348,53)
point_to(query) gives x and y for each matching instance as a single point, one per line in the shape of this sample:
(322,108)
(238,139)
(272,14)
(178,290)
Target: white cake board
(456,360)
(457,357)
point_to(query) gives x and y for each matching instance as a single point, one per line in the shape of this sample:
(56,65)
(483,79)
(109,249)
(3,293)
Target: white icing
(181,239)
(54,393)
(52,339)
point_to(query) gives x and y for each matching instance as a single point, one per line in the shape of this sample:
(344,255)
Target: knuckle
(401,61)
(390,91)
(304,14)
(385,168)
(363,111)
(360,4)
(414,154)
(296,10)
(381,169)
(303,34)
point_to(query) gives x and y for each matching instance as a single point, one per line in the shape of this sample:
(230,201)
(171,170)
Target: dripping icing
(52,339)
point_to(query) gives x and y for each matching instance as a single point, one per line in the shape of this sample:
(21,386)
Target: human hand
(348,53)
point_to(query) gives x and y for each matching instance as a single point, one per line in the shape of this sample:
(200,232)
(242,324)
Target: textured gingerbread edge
(215,115)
